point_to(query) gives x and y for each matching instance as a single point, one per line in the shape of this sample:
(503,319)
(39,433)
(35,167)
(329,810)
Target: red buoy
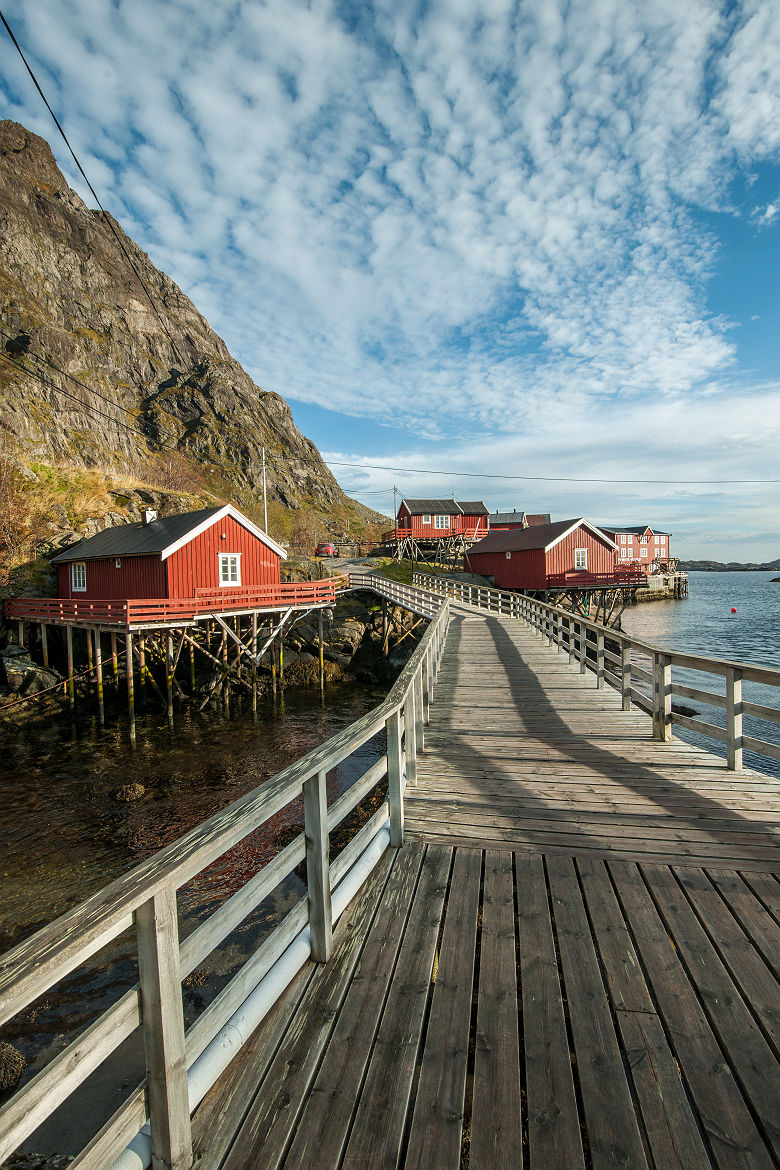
(733,609)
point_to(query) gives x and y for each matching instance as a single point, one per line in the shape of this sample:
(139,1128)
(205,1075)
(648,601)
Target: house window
(117,563)
(643,552)
(580,558)
(643,540)
(441,522)
(625,552)
(229,569)
(78,577)
(427,520)
(509,556)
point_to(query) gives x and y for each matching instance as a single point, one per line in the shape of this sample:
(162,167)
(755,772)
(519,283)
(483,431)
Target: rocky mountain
(106,367)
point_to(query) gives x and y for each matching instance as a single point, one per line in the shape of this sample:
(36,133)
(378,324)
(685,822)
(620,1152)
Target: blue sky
(508,239)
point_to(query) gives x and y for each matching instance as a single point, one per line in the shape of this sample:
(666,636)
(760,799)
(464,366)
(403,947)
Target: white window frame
(643,552)
(78,577)
(441,522)
(426,519)
(225,570)
(509,556)
(580,558)
(623,538)
(625,552)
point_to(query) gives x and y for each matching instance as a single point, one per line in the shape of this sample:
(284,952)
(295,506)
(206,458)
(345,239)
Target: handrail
(585,642)
(136,611)
(146,898)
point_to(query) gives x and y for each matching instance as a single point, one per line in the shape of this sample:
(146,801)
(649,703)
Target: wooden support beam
(130,685)
(20,632)
(71,683)
(114,656)
(254,661)
(321,647)
(90,657)
(45,645)
(662,696)
(625,673)
(599,659)
(163,1029)
(315,813)
(734,718)
(99,679)
(395,794)
(410,736)
(169,669)
(142,672)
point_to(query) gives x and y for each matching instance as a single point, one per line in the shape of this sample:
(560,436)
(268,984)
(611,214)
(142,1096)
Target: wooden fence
(608,653)
(146,898)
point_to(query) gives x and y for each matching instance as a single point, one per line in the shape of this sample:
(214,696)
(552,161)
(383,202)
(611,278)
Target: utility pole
(265,501)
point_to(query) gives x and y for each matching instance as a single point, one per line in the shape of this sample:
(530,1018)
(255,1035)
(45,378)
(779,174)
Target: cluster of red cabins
(173,569)
(520,550)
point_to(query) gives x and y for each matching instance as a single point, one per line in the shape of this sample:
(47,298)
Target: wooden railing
(650,687)
(145,611)
(587,580)
(146,899)
(474,531)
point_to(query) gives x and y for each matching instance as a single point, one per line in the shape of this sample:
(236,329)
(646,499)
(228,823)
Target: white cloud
(461,217)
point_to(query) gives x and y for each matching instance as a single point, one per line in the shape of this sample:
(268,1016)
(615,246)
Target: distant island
(728,567)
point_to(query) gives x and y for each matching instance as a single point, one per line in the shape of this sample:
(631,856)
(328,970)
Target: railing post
(583,648)
(599,659)
(419,714)
(734,718)
(558,631)
(163,1028)
(410,732)
(625,673)
(315,819)
(662,696)
(395,792)
(570,630)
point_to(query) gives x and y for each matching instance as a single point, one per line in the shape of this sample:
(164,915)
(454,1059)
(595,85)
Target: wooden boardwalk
(574,965)
(523,751)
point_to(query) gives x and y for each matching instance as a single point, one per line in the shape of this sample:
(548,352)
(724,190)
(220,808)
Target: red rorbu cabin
(545,556)
(431,519)
(640,546)
(172,557)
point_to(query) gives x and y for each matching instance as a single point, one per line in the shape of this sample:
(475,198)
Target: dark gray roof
(515,539)
(135,539)
(507,517)
(635,529)
(443,507)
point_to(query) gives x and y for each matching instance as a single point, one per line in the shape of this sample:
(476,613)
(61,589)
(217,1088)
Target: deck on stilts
(573,962)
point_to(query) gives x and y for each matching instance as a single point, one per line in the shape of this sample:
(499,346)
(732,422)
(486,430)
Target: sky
(513,247)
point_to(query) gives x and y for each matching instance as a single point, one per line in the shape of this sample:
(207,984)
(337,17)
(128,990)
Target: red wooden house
(430,519)
(504,521)
(639,546)
(545,556)
(173,557)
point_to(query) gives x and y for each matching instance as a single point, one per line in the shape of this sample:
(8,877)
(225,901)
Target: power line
(106,215)
(539,478)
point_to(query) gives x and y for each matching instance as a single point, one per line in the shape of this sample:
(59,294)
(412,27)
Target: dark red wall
(136,577)
(470,525)
(524,570)
(560,559)
(196,565)
(532,569)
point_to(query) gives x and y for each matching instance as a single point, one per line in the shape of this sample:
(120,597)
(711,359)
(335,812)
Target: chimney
(148,517)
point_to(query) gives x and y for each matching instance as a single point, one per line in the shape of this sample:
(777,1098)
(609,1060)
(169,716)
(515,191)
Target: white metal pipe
(215,1058)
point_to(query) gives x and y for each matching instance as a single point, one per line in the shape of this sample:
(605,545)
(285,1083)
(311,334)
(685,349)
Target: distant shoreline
(727,567)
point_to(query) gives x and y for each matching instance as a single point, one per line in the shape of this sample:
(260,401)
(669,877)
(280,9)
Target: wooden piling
(321,643)
(254,663)
(130,686)
(191,648)
(99,679)
(45,645)
(90,656)
(142,667)
(71,684)
(114,656)
(169,676)
(20,629)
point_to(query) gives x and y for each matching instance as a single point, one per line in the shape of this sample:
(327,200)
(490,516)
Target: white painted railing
(179,1064)
(608,653)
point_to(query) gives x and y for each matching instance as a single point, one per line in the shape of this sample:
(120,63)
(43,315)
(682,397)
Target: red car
(326,550)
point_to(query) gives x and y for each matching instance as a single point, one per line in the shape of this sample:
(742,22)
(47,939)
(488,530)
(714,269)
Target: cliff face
(159,378)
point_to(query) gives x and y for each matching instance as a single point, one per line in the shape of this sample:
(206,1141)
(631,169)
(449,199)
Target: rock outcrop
(106,363)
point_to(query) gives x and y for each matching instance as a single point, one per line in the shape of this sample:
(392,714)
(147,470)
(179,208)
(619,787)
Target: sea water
(703,623)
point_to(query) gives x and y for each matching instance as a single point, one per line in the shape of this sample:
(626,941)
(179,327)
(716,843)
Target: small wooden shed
(429,519)
(171,557)
(544,556)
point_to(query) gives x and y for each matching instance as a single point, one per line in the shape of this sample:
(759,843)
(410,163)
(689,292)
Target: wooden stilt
(281,662)
(114,656)
(192,667)
(142,667)
(254,663)
(99,679)
(273,660)
(45,645)
(130,686)
(321,643)
(90,657)
(225,673)
(71,684)
(169,676)
(20,628)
